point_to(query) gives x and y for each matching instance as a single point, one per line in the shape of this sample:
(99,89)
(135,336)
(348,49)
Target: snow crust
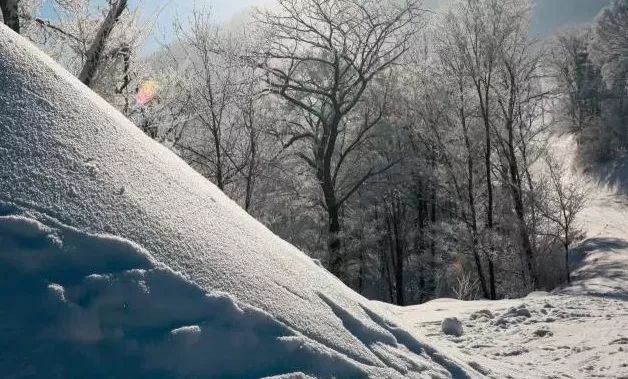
(118,260)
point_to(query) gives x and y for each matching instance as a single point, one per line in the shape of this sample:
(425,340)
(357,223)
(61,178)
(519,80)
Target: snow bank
(117,259)
(89,305)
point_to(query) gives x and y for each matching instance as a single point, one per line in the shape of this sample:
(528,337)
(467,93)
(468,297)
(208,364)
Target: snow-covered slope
(600,262)
(580,331)
(118,260)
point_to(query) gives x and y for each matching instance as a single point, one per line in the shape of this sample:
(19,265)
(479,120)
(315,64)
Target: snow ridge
(95,303)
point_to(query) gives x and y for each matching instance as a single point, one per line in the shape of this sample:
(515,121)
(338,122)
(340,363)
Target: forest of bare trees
(407,149)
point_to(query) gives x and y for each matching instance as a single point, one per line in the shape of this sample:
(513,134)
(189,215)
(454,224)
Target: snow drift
(117,259)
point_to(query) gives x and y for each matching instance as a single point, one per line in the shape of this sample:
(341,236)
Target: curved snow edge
(86,304)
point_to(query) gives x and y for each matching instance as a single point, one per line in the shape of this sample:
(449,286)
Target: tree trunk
(471,200)
(324,155)
(433,268)
(421,240)
(361,271)
(399,282)
(384,261)
(250,177)
(491,276)
(336,261)
(93,56)
(489,211)
(399,279)
(478,266)
(567,270)
(10,14)
(484,107)
(219,176)
(517,197)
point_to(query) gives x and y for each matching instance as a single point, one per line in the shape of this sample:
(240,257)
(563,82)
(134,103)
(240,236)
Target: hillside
(118,260)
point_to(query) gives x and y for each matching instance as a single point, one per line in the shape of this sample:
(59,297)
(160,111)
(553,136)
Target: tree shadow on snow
(613,174)
(598,271)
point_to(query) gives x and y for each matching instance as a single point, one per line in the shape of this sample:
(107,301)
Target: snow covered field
(580,331)
(555,336)
(118,260)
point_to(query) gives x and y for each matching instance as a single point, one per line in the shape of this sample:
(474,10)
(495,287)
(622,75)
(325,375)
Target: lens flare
(147,92)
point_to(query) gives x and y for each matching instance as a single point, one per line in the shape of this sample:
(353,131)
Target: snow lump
(452,326)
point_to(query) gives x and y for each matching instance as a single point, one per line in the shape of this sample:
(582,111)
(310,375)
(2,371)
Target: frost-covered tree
(610,40)
(93,56)
(610,52)
(483,47)
(9,10)
(212,109)
(577,80)
(565,197)
(320,57)
(99,42)
(591,68)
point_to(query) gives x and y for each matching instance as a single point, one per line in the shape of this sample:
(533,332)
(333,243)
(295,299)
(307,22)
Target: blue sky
(553,14)
(167,10)
(164,12)
(549,15)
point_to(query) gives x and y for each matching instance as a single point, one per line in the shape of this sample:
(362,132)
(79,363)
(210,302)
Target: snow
(579,331)
(452,327)
(576,336)
(118,260)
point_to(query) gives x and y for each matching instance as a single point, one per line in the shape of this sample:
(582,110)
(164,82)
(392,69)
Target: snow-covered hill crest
(116,254)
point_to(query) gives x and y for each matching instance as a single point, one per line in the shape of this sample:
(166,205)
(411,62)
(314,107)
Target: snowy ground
(557,336)
(580,331)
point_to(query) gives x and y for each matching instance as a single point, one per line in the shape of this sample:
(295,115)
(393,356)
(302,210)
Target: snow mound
(92,304)
(452,327)
(117,259)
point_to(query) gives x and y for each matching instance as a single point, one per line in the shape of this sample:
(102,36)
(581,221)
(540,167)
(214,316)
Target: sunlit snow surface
(118,260)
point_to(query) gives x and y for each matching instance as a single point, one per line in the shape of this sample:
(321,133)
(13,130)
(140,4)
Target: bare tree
(476,30)
(481,41)
(321,57)
(567,62)
(565,199)
(101,45)
(210,79)
(610,41)
(458,114)
(258,148)
(519,95)
(215,112)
